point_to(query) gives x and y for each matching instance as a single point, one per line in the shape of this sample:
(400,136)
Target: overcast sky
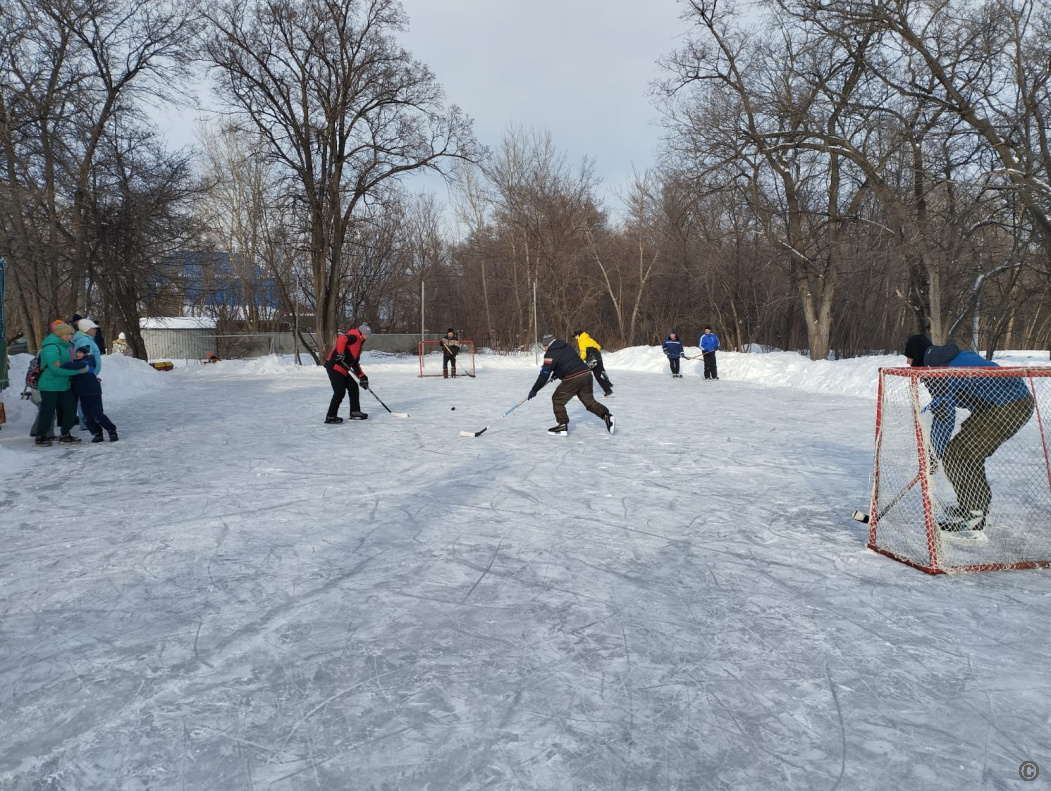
(580,69)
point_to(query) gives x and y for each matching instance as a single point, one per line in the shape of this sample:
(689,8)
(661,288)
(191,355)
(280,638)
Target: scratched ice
(236,596)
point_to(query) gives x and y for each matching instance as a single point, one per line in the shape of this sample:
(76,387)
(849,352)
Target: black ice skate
(611,424)
(355,415)
(561,430)
(333,419)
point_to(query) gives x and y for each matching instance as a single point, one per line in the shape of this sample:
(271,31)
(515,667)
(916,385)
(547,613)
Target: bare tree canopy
(343,111)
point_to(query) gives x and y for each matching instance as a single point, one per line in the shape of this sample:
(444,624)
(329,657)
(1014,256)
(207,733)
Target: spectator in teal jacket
(54,385)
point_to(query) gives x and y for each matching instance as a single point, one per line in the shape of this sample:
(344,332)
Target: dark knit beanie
(915,347)
(547,340)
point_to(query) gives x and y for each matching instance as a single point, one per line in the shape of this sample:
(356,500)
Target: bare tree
(71,73)
(343,110)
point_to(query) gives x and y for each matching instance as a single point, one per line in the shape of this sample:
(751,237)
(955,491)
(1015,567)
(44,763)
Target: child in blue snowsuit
(89,393)
(673,350)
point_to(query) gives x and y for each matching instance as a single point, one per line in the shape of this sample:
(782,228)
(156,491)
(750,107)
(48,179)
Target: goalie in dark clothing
(562,362)
(450,348)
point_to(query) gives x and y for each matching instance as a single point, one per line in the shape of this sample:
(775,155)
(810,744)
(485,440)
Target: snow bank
(857,377)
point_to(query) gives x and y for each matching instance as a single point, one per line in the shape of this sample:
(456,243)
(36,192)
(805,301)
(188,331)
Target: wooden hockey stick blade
(399,414)
(473,433)
(861,517)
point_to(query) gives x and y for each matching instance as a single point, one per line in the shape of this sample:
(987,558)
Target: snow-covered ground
(236,596)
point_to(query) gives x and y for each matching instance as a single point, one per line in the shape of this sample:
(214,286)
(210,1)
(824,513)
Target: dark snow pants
(52,400)
(94,417)
(594,362)
(342,384)
(674,363)
(710,371)
(579,386)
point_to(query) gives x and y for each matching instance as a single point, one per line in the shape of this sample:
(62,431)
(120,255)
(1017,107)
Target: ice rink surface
(236,596)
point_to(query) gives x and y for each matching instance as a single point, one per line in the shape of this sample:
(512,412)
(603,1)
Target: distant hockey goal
(962,476)
(431,357)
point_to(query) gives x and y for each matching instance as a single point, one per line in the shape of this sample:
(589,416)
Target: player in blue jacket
(999,407)
(673,350)
(709,343)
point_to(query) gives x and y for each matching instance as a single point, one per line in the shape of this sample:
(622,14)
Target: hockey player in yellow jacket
(591,354)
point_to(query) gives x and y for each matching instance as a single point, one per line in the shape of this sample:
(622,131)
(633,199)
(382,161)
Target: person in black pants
(709,343)
(343,359)
(561,362)
(673,350)
(450,348)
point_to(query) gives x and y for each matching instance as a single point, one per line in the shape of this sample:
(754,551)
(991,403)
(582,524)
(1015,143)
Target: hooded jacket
(560,362)
(54,378)
(83,339)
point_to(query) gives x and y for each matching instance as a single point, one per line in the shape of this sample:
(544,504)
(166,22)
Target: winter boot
(445,374)
(333,419)
(96,437)
(43,442)
(113,436)
(611,424)
(561,430)
(355,415)
(68,439)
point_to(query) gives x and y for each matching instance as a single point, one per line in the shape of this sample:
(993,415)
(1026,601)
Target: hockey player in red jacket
(344,359)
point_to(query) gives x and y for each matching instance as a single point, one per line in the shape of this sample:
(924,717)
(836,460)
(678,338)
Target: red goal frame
(464,360)
(902,517)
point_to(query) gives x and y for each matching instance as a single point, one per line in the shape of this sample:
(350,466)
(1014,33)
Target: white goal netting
(433,359)
(962,477)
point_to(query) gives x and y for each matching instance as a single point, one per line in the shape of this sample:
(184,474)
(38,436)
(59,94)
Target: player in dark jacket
(563,363)
(89,393)
(673,350)
(344,358)
(450,348)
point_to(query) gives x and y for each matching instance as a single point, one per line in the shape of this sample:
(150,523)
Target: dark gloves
(531,396)
(364,382)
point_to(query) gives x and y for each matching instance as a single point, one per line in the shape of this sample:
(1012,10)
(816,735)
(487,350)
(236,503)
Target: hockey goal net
(432,357)
(962,477)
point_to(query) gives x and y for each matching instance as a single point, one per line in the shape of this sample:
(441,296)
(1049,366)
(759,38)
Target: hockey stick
(395,414)
(864,518)
(508,412)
